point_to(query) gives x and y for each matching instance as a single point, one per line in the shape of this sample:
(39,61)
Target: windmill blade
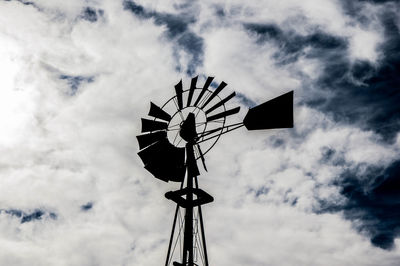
(215,93)
(178,90)
(205,87)
(221,103)
(151,125)
(164,161)
(163,170)
(148,139)
(275,113)
(224,114)
(191,90)
(152,152)
(157,112)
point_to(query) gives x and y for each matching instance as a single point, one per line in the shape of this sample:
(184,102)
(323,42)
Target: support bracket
(177,196)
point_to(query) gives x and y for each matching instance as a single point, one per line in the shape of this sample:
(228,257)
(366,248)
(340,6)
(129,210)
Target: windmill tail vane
(182,131)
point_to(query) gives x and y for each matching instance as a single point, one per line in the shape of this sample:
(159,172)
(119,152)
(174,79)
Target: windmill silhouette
(181,133)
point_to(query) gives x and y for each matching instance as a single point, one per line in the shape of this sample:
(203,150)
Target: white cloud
(61,152)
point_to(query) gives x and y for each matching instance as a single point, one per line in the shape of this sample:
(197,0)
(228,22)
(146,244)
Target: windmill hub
(176,123)
(188,129)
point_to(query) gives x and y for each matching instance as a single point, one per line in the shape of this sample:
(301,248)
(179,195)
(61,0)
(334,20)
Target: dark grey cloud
(378,1)
(362,93)
(263,190)
(91,14)
(26,3)
(245,100)
(354,8)
(291,44)
(25,217)
(74,82)
(332,157)
(365,94)
(372,199)
(87,206)
(373,103)
(219,11)
(277,141)
(177,30)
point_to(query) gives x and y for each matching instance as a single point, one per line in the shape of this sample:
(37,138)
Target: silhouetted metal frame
(219,131)
(188,256)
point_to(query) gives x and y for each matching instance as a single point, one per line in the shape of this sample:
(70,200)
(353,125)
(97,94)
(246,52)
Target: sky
(77,76)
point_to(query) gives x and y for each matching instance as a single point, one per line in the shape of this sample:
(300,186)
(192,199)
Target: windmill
(179,134)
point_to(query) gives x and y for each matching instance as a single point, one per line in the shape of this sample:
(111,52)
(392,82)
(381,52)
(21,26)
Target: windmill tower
(179,134)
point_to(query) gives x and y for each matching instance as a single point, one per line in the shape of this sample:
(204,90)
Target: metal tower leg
(188,233)
(203,236)
(172,235)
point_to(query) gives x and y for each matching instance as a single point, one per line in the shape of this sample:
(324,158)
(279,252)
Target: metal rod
(172,235)
(208,132)
(228,130)
(172,231)
(203,236)
(188,231)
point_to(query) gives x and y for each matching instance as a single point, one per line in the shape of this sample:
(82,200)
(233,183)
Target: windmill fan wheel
(162,148)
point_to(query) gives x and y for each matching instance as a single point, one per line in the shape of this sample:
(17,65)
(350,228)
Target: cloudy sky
(76,76)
